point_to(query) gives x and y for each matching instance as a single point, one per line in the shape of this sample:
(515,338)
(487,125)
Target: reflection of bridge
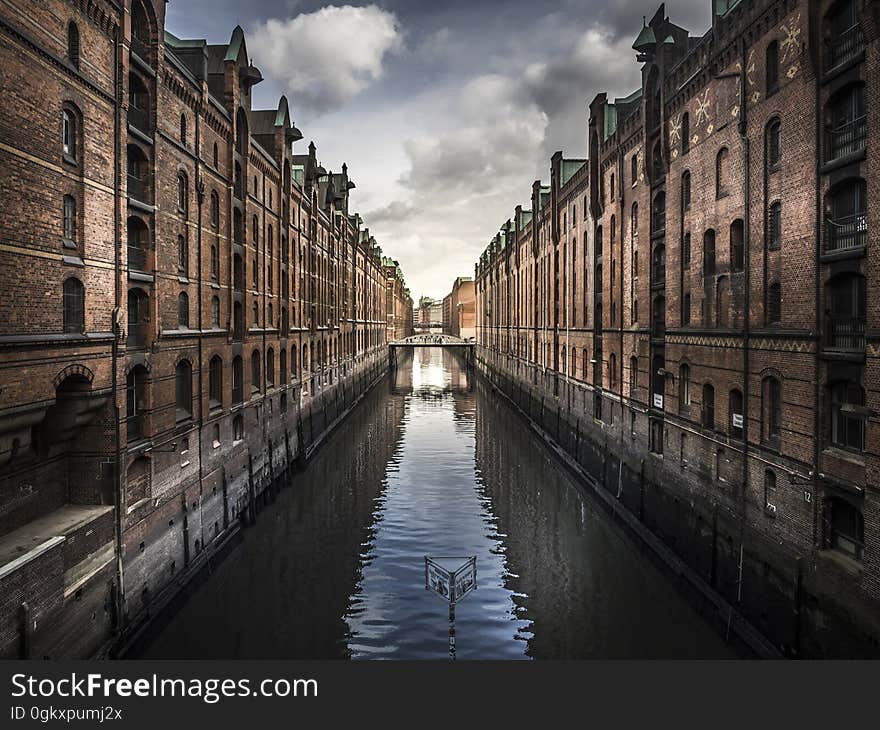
(431,341)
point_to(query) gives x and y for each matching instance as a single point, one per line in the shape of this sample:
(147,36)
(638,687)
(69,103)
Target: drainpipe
(747,218)
(117,492)
(200,198)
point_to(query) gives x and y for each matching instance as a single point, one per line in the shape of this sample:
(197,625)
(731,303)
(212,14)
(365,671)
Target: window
(182,194)
(686,310)
(215,382)
(735,408)
(135,402)
(69,217)
(721,173)
(658,212)
(183,129)
(183,389)
(686,250)
(612,186)
(771,68)
(216,156)
(215,312)
(847,415)
(215,209)
(769,489)
(684,387)
(282,366)
(846,216)
(183,310)
(845,312)
(634,219)
(686,191)
(68,135)
(255,314)
(215,263)
(237,380)
(685,133)
(633,377)
(737,245)
(238,428)
(844,528)
(73,44)
(74,305)
(634,173)
(709,253)
(270,368)
(774,226)
(182,256)
(846,123)
(612,370)
(255,229)
(774,145)
(771,411)
(843,35)
(256,380)
(708,414)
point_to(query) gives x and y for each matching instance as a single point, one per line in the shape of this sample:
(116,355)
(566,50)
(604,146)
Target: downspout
(200,197)
(743,131)
(117,495)
(621,214)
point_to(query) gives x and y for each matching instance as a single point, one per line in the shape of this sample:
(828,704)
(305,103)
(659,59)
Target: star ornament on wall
(675,130)
(792,41)
(703,108)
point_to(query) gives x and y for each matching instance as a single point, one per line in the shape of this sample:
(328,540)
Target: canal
(431,463)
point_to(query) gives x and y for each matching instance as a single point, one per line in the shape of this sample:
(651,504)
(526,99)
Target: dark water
(429,464)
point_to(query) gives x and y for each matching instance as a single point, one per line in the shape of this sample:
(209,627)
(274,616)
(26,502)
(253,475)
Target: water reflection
(432,465)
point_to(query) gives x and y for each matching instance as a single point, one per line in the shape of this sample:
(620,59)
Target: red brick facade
(187,307)
(696,296)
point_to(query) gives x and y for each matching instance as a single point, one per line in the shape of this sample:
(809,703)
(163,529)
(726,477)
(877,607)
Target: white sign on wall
(737,420)
(658,400)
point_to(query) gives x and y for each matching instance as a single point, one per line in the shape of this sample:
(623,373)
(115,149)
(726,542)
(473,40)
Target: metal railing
(847,138)
(841,48)
(139,189)
(137,256)
(845,333)
(846,232)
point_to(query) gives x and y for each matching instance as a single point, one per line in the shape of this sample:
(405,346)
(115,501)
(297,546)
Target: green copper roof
(569,169)
(235,44)
(646,39)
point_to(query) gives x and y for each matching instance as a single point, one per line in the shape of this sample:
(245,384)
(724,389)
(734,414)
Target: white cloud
(327,57)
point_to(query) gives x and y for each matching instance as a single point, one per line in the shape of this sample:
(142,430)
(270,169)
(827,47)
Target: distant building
(459,309)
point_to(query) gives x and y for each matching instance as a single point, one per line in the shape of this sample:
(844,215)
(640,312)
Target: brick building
(690,309)
(398,302)
(188,305)
(459,309)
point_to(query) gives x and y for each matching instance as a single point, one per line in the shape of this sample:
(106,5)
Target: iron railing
(843,47)
(137,256)
(847,138)
(846,232)
(845,333)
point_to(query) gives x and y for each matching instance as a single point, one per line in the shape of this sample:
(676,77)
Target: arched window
(183,129)
(846,123)
(215,209)
(633,377)
(659,323)
(771,68)
(774,303)
(735,408)
(69,218)
(686,190)
(843,35)
(844,528)
(771,411)
(721,173)
(684,387)
(182,256)
(215,382)
(183,389)
(737,245)
(139,104)
(634,172)
(215,312)
(138,174)
(685,133)
(845,312)
(708,411)
(612,186)
(216,157)
(709,253)
(255,230)
(182,194)
(658,265)
(237,380)
(73,44)
(846,216)
(183,310)
(774,144)
(68,134)
(74,305)
(256,379)
(215,263)
(270,368)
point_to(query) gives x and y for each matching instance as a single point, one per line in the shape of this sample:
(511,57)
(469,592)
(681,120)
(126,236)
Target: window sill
(68,243)
(69,159)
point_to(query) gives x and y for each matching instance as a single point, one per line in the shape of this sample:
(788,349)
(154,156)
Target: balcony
(847,232)
(845,334)
(137,257)
(658,221)
(140,119)
(846,138)
(137,335)
(139,189)
(843,47)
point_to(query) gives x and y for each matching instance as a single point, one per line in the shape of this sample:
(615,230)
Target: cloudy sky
(445,111)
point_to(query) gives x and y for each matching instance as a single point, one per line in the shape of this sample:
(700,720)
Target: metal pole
(452,630)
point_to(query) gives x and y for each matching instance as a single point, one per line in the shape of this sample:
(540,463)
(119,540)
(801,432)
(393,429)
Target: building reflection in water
(433,464)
